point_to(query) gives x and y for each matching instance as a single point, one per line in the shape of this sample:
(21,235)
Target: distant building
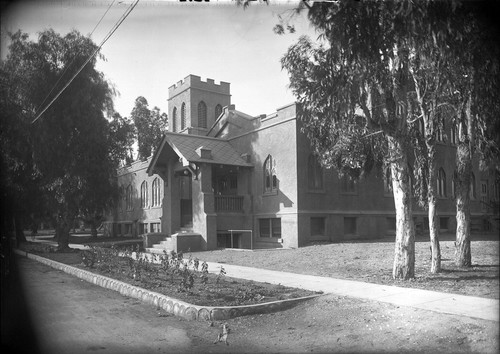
(222,178)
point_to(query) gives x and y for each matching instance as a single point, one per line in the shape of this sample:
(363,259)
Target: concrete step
(157,250)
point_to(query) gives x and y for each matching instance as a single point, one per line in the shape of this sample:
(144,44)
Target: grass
(372,262)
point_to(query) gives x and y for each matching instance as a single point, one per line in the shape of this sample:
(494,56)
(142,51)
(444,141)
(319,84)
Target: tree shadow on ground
(461,278)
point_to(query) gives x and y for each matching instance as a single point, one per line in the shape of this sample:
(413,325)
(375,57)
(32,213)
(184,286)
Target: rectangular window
(276,227)
(391,224)
(317,226)
(270,227)
(443,223)
(155,227)
(350,226)
(143,229)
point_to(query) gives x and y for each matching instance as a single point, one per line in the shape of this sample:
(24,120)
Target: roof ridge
(196,136)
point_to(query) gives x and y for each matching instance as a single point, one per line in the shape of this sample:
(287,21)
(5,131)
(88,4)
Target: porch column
(204,217)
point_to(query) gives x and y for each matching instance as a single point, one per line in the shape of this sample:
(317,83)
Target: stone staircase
(183,240)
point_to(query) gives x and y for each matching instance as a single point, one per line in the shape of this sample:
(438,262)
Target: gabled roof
(187,147)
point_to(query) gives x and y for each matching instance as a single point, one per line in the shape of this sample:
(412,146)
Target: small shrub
(221,275)
(204,273)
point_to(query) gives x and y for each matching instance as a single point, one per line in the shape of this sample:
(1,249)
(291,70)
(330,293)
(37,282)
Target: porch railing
(229,203)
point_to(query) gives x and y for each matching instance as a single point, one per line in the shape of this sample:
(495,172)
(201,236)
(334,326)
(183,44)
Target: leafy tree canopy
(150,126)
(72,146)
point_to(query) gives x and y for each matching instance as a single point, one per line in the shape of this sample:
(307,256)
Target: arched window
(270,179)
(388,181)
(128,197)
(202,115)
(155,192)
(144,194)
(183,116)
(174,120)
(218,111)
(441,183)
(315,173)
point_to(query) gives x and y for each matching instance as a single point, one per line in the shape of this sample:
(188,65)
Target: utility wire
(115,27)
(71,64)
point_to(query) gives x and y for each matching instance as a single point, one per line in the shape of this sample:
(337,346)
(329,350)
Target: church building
(221,178)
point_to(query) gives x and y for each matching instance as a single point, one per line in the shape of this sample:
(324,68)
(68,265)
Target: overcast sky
(161,42)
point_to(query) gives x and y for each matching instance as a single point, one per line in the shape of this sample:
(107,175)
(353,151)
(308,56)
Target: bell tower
(194,105)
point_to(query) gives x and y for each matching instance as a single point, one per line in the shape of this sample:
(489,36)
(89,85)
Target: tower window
(174,119)
(183,116)
(202,115)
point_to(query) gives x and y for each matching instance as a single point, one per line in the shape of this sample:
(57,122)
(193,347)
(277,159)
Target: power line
(72,61)
(115,27)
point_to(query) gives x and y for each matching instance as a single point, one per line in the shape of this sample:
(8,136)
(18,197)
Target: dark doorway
(185,187)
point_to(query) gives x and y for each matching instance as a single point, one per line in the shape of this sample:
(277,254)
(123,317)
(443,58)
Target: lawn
(372,262)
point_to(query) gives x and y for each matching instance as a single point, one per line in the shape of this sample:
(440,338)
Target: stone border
(171,305)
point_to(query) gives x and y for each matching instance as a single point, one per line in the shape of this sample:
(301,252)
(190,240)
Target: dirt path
(70,315)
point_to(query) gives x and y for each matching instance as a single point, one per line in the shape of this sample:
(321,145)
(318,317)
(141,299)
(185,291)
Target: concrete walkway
(470,306)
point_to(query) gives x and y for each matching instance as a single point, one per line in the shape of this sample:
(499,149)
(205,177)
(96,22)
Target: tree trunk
(404,255)
(18,225)
(465,151)
(432,212)
(434,237)
(462,243)
(63,229)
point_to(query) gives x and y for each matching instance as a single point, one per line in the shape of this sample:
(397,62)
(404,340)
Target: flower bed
(172,275)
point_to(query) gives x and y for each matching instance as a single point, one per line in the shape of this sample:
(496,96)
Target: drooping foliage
(70,143)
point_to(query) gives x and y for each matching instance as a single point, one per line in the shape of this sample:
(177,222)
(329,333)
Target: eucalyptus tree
(476,87)
(70,142)
(354,91)
(399,63)
(150,126)
(429,67)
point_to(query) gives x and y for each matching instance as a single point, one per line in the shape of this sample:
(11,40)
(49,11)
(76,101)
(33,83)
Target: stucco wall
(275,135)
(135,175)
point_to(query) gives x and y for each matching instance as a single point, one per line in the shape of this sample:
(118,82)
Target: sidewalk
(470,306)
